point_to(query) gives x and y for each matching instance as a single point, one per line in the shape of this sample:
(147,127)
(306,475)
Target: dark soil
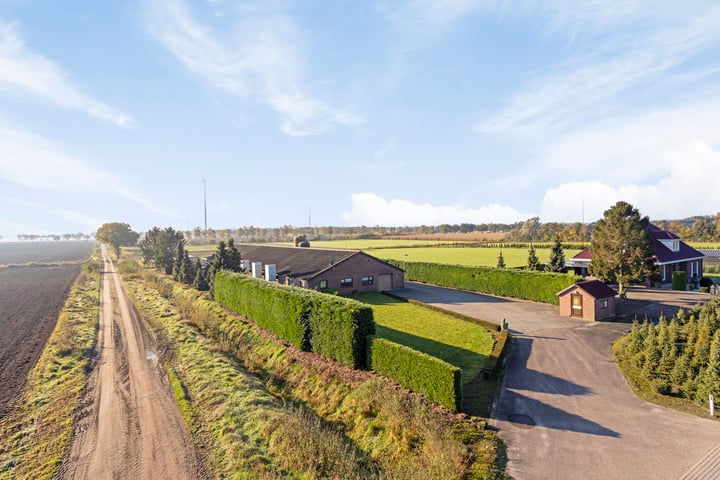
(30,301)
(15,253)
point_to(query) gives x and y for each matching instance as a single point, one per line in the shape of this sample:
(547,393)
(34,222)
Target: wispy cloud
(371,209)
(620,58)
(260,57)
(24,71)
(36,162)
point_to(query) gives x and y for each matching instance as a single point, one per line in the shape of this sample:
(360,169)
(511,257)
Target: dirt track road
(130,426)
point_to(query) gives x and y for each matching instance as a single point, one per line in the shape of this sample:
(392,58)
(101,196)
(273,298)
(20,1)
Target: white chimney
(257,269)
(270,272)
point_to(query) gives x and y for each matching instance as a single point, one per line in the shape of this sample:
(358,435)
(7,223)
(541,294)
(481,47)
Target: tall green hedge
(505,282)
(438,380)
(339,328)
(332,326)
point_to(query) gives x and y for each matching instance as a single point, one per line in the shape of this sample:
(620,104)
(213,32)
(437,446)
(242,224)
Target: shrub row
(524,284)
(331,326)
(438,380)
(493,363)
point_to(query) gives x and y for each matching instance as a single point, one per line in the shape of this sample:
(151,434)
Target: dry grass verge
(266,410)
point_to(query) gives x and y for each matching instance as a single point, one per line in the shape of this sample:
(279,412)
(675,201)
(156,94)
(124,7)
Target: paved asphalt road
(565,410)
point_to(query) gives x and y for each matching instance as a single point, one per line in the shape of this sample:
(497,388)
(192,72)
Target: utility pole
(205,200)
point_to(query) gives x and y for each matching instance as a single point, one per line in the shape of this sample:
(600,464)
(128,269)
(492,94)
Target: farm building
(671,255)
(319,268)
(589,300)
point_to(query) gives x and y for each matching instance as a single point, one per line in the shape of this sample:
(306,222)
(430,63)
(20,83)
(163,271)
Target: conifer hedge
(438,380)
(331,326)
(528,285)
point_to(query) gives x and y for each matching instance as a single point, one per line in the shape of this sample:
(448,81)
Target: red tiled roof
(584,254)
(596,288)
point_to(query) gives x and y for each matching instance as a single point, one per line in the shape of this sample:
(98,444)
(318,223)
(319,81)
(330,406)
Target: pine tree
(708,382)
(621,246)
(200,282)
(533,263)
(557,257)
(177,261)
(187,269)
(501,261)
(234,260)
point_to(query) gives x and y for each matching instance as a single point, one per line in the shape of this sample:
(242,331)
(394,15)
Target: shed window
(346,282)
(367,280)
(577,305)
(323,283)
(604,303)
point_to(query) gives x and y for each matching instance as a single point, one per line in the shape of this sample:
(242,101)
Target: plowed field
(31,298)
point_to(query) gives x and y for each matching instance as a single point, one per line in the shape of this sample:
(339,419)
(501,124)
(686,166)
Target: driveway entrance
(565,410)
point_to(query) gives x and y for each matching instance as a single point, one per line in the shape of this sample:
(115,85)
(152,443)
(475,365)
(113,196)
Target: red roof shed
(589,300)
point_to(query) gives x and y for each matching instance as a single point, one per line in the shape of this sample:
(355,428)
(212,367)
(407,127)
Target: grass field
(462,344)
(473,257)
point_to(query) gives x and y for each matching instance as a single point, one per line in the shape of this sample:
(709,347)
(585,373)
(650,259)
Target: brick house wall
(367,274)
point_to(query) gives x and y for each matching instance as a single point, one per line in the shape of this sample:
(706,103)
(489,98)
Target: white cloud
(687,187)
(622,149)
(371,209)
(22,70)
(35,162)
(261,57)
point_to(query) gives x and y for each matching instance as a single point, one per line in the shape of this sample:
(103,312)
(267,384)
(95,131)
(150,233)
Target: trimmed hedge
(679,280)
(438,380)
(332,326)
(525,284)
(493,363)
(339,328)
(281,311)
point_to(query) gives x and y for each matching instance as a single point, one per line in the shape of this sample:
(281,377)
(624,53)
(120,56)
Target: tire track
(128,425)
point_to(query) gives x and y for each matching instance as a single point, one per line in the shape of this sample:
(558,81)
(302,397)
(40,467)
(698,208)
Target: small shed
(590,300)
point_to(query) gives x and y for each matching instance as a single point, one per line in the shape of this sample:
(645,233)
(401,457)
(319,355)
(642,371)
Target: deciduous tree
(621,246)
(117,235)
(160,246)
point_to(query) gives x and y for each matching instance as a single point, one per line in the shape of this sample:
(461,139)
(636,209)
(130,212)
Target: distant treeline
(703,228)
(24,237)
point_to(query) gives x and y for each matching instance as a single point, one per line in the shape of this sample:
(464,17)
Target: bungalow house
(320,268)
(671,254)
(589,300)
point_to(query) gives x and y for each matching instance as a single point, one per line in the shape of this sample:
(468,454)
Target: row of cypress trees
(681,356)
(165,250)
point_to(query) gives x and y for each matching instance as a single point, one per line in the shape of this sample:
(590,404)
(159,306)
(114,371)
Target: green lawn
(474,257)
(463,344)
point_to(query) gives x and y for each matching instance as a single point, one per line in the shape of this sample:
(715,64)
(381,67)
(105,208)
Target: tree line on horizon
(701,228)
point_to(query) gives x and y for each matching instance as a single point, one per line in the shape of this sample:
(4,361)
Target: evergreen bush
(679,280)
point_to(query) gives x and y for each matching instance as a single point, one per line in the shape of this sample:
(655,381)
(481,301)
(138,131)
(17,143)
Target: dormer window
(675,245)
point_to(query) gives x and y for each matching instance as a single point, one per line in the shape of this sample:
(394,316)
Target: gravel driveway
(565,409)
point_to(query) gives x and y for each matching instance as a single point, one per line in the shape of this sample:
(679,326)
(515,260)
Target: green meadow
(460,343)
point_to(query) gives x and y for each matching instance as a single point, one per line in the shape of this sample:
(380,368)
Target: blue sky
(363,113)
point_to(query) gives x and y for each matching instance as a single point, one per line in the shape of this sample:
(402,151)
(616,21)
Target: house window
(604,303)
(367,280)
(346,282)
(323,283)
